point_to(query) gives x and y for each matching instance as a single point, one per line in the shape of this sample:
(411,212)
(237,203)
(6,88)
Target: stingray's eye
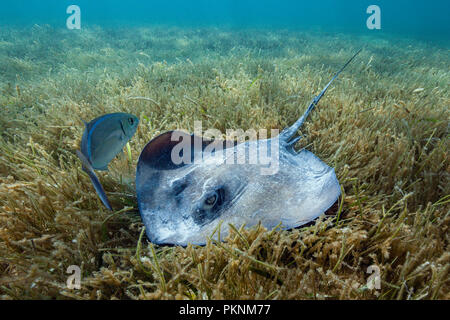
(210,201)
(131,121)
(210,207)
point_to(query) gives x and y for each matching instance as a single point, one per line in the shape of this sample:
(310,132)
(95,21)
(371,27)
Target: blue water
(409,18)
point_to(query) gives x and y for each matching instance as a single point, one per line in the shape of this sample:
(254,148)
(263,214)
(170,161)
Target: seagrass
(383,127)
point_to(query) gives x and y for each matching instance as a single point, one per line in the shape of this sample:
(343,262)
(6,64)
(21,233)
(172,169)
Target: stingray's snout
(164,228)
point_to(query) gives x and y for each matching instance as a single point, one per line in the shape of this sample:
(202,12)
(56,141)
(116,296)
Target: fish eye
(131,121)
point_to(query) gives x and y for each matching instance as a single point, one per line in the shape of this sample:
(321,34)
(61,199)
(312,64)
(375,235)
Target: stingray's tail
(288,133)
(96,183)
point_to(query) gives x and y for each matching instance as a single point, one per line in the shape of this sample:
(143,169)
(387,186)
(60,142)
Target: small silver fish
(183,202)
(103,138)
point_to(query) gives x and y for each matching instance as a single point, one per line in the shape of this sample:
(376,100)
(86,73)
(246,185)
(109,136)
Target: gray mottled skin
(175,200)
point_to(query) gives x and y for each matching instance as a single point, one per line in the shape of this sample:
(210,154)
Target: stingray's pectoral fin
(95,182)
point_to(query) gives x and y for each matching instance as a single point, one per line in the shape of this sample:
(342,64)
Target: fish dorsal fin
(157,154)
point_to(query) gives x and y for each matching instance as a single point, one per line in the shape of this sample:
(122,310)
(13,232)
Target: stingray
(186,184)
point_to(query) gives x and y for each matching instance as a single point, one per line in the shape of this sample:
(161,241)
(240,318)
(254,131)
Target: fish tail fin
(99,188)
(87,167)
(289,132)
